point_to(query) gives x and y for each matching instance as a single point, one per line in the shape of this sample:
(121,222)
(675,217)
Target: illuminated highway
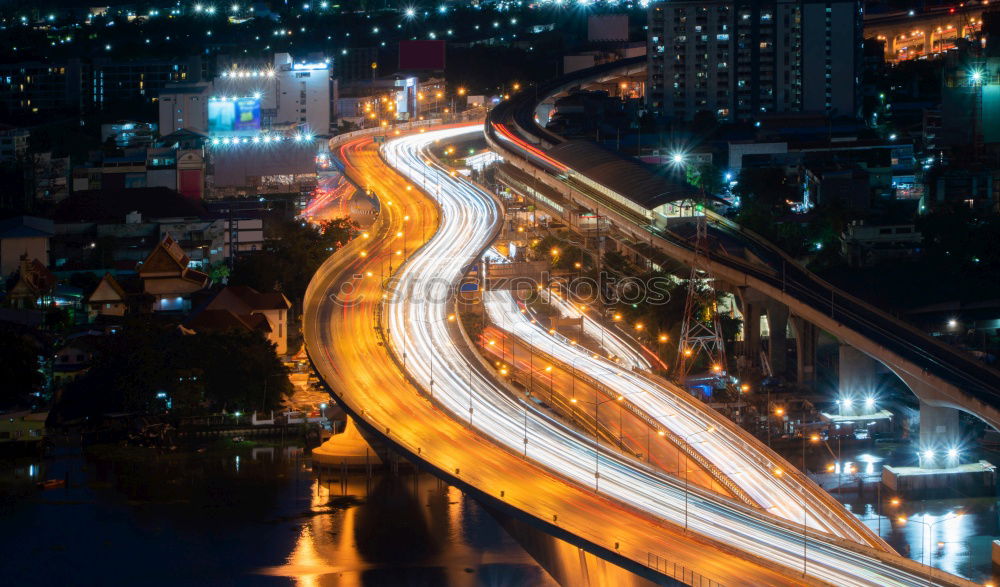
(345,347)
(417,319)
(610,341)
(936,372)
(765,476)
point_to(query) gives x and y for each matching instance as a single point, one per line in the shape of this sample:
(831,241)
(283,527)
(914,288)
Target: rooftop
(627,176)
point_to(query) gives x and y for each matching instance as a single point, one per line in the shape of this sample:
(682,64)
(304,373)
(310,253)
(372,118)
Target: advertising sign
(234,115)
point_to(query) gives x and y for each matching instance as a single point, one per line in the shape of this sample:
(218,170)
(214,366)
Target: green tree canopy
(234,370)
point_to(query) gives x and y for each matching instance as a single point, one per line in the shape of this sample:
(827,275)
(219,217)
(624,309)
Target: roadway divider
(716,473)
(556,527)
(680,249)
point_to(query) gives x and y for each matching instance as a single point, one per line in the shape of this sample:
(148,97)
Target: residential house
(168,279)
(33,285)
(115,297)
(245,307)
(73,360)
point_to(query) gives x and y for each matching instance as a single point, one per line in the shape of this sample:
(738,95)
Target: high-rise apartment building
(736,59)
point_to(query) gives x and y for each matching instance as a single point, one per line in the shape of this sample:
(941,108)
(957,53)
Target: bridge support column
(751,332)
(777,346)
(857,373)
(939,433)
(806,337)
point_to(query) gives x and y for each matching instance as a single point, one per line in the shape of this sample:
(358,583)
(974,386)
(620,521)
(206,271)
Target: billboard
(421,55)
(234,115)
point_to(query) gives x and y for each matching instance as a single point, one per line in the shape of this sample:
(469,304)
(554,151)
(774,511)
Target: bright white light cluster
(261,139)
(244,74)
(255,95)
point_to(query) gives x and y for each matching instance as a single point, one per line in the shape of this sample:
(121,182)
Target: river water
(255,514)
(242,515)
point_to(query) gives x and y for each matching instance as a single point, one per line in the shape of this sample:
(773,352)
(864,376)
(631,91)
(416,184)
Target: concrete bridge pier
(939,433)
(806,339)
(777,346)
(857,373)
(751,333)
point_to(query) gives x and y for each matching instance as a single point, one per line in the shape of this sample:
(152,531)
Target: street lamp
(684,439)
(928,527)
(572,365)
(548,369)
(597,429)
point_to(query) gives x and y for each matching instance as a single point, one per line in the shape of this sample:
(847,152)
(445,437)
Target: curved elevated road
(936,372)
(548,479)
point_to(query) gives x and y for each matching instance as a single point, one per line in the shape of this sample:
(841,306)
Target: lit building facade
(246,98)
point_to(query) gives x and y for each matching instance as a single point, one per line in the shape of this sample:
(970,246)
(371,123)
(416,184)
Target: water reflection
(954,535)
(406,530)
(251,516)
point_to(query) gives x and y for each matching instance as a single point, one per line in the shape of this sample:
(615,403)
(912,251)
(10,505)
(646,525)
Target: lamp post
(548,369)
(780,412)
(926,528)
(572,365)
(685,440)
(597,430)
(450,318)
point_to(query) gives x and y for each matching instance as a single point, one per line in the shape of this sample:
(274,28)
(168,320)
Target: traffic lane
(367,372)
(637,435)
(632,486)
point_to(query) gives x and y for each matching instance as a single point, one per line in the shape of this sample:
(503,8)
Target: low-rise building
(246,308)
(52,175)
(168,279)
(847,185)
(171,166)
(864,245)
(100,230)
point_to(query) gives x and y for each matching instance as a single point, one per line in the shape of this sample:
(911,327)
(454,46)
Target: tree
(705,176)
(234,370)
(292,256)
(19,369)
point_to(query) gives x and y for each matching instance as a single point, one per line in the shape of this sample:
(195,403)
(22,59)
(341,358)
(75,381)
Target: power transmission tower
(701,333)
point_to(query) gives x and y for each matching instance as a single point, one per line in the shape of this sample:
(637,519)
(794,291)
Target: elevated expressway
(942,377)
(388,352)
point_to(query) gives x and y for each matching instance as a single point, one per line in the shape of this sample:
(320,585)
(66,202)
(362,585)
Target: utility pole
(701,332)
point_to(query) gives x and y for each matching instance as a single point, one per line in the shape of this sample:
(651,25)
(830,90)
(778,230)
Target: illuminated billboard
(233,115)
